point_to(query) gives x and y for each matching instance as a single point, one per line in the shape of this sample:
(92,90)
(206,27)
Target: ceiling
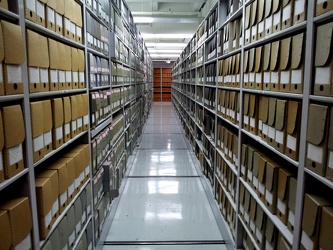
(168,25)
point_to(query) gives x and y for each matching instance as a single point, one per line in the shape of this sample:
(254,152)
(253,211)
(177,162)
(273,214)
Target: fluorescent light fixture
(139,19)
(166,36)
(165,55)
(165,51)
(180,45)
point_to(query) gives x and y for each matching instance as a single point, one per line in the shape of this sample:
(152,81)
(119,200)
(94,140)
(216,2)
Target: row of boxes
(228,105)
(212,22)
(97,35)
(211,48)
(100,8)
(226,176)
(60,16)
(227,141)
(211,74)
(70,227)
(116,100)
(16,224)
(119,51)
(227,211)
(99,71)
(319,140)
(12,136)
(56,121)
(121,75)
(229,71)
(276,121)
(209,125)
(100,216)
(209,98)
(100,106)
(275,186)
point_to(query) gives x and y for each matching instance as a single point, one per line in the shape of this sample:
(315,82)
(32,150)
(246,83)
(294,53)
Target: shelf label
(79,122)
(260,125)
(54,75)
(246,120)
(252,122)
(15,154)
(315,153)
(14,74)
(34,75)
(38,143)
(50,15)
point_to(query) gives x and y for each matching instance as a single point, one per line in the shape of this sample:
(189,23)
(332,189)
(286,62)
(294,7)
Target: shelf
(280,226)
(231,166)
(199,144)
(83,229)
(8,14)
(101,126)
(248,232)
(272,93)
(95,16)
(258,139)
(227,121)
(324,99)
(6,183)
(228,88)
(100,88)
(97,53)
(10,98)
(233,17)
(52,34)
(322,179)
(209,109)
(323,17)
(53,152)
(229,54)
(56,93)
(275,36)
(226,193)
(62,215)
(210,61)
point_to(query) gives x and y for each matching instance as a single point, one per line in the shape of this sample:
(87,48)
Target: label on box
(78,227)
(246,78)
(246,217)
(306,242)
(281,206)
(78,31)
(267,77)
(14,74)
(330,160)
(24,244)
(31,5)
(77,182)
(255,181)
(247,34)
(252,226)
(259,234)
(274,77)
(88,208)
(249,174)
(87,170)
(268,246)
(291,217)
(67,128)
(286,15)
(83,217)
(71,238)
(72,27)
(59,133)
(63,198)
(79,122)
(15,154)
(243,169)
(75,76)
(269,197)
(62,77)
(258,78)
(276,18)
(315,153)
(279,137)
(47,138)
(261,188)
(48,219)
(252,122)
(241,208)
(71,189)
(261,27)
(86,120)
(271,132)
(38,143)
(260,124)
(291,142)
(82,175)
(296,76)
(50,15)
(254,30)
(59,20)
(44,75)
(73,125)
(323,75)
(54,75)
(33,75)
(90,246)
(284,77)
(251,77)
(246,120)
(68,76)
(55,207)
(41,9)
(67,24)
(269,22)
(299,7)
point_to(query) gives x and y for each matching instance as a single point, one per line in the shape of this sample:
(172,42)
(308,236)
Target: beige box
(325,236)
(274,66)
(293,129)
(74,114)
(68,67)
(284,67)
(51,15)
(281,125)
(297,63)
(300,11)
(37,124)
(323,7)
(5,230)
(263,117)
(283,191)
(67,118)
(40,12)
(271,184)
(57,122)
(47,133)
(267,67)
(33,53)
(2,144)
(44,64)
(62,66)
(247,24)
(292,203)
(30,10)
(54,64)
(70,165)
(277,15)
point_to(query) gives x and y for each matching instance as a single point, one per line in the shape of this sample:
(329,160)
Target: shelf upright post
(308,76)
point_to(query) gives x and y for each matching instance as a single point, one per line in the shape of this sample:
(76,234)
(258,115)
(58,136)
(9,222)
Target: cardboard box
(317,137)
(274,66)
(300,11)
(252,63)
(64,233)
(51,14)
(2,144)
(281,125)
(266,67)
(47,116)
(260,227)
(71,226)
(287,13)
(325,238)
(284,67)
(323,7)
(258,68)
(44,195)
(271,121)
(67,118)
(261,19)
(55,238)
(283,191)
(75,67)
(14,57)
(85,111)
(292,203)
(60,11)
(246,62)
(254,21)
(40,12)
(78,216)
(271,184)
(80,110)
(4,4)
(263,117)
(20,221)
(268,18)
(81,69)
(244,161)
(54,64)
(5,230)
(277,13)
(78,160)
(247,24)
(33,53)
(293,129)
(312,212)
(241,199)
(14,134)
(323,63)
(297,62)
(30,10)
(250,155)
(62,66)
(253,214)
(2,56)
(74,115)
(57,122)
(89,233)
(329,165)
(247,207)
(255,171)
(37,124)
(282,243)
(44,64)
(68,67)
(262,163)
(271,235)
(70,165)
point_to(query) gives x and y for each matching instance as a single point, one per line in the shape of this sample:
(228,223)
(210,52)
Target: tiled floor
(163,205)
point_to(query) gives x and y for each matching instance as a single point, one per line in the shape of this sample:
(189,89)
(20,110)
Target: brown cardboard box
(241,199)
(62,66)
(4,4)
(329,166)
(58,122)
(80,110)
(79,169)
(323,62)
(253,114)
(285,61)
(33,53)
(271,235)
(271,121)
(5,230)
(293,129)
(63,183)
(60,11)
(261,19)
(246,109)
(2,56)
(44,64)
(258,68)
(312,212)
(280,125)
(85,111)
(287,13)
(247,25)
(40,12)
(263,160)
(81,69)
(79,23)
(54,64)
(67,19)
(260,227)
(20,220)
(255,171)
(253,214)
(254,21)
(246,69)
(300,10)
(14,134)
(70,165)
(37,124)
(292,203)
(68,67)
(283,190)
(67,118)
(274,66)
(51,15)
(252,63)
(53,176)
(30,10)
(247,207)
(271,183)
(317,136)
(282,243)
(263,117)
(47,116)
(276,12)
(250,155)
(266,66)
(44,195)
(86,155)
(323,7)
(325,236)
(244,161)
(2,144)
(14,57)
(297,62)
(268,17)
(75,67)
(74,114)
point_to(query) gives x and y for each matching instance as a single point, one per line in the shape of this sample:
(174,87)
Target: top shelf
(8,14)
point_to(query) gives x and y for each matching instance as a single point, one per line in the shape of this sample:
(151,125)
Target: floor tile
(162,141)
(173,247)
(162,129)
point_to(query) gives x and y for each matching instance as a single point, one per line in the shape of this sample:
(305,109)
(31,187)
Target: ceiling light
(165,51)
(165,55)
(180,45)
(138,19)
(166,36)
